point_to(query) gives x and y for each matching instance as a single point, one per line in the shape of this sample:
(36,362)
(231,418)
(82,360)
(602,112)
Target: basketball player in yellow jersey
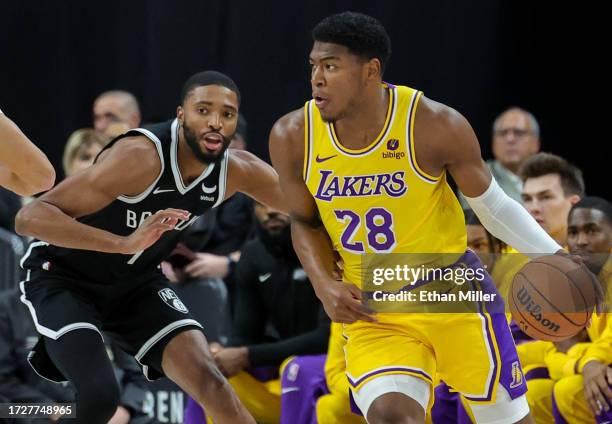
(363,166)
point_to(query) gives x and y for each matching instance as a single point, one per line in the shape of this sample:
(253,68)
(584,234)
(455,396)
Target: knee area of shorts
(394,412)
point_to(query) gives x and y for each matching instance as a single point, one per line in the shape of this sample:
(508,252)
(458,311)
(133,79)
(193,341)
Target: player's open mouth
(320,101)
(212,142)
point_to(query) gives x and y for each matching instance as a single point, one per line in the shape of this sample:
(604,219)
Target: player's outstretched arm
(24,168)
(255,178)
(127,168)
(457,145)
(341,301)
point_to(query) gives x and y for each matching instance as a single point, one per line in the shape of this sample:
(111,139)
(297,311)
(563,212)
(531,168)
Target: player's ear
(374,68)
(180,114)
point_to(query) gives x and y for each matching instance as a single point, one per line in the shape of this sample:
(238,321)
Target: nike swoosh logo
(158,190)
(320,159)
(264,277)
(208,190)
(289,390)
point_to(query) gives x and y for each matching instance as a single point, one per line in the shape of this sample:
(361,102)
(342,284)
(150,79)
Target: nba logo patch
(171,299)
(517,375)
(392,144)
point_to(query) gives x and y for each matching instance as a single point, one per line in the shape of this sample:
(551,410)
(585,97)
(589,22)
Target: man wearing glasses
(516,137)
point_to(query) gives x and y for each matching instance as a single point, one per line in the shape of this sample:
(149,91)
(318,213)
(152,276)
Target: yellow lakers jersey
(377,199)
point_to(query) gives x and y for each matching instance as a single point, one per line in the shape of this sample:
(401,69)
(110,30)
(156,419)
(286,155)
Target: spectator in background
(81,149)
(551,186)
(239,141)
(579,369)
(516,137)
(277,315)
(113,107)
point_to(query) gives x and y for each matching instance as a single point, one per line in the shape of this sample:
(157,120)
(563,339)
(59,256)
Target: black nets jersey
(125,214)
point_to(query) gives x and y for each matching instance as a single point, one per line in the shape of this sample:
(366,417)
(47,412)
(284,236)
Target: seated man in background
(277,315)
(516,137)
(113,109)
(582,393)
(578,368)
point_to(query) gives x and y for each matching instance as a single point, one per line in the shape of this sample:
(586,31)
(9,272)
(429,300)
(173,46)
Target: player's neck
(364,123)
(189,166)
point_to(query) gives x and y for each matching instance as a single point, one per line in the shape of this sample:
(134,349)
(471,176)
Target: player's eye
(202,110)
(330,67)
(229,115)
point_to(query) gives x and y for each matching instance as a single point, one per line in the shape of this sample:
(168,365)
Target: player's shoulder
(439,123)
(290,126)
(240,158)
(436,114)
(137,150)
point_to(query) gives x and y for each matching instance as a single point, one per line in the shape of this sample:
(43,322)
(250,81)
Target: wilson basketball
(552,297)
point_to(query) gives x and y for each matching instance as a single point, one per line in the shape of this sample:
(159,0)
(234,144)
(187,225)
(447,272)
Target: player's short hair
(363,35)
(208,78)
(547,163)
(594,202)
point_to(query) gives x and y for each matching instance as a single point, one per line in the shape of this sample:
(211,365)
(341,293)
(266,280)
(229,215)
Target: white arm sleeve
(507,220)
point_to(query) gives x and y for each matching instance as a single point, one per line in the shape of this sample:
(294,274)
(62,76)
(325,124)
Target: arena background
(478,56)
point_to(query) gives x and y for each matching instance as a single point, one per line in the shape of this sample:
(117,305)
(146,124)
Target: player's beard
(204,157)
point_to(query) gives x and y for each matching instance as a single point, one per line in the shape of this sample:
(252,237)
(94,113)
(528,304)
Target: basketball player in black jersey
(101,235)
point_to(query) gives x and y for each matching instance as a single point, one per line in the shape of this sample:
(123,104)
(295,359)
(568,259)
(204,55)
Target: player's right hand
(342,303)
(152,229)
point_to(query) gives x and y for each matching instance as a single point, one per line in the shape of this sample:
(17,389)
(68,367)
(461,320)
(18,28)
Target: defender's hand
(152,229)
(342,302)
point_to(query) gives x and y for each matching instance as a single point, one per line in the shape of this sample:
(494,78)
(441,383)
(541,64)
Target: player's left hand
(206,265)
(597,377)
(232,360)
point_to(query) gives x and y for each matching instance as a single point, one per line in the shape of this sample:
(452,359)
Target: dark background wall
(478,56)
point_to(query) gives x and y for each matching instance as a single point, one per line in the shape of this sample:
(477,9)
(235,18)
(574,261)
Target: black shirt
(273,292)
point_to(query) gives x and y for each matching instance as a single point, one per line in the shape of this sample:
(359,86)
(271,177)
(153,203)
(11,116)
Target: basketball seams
(566,274)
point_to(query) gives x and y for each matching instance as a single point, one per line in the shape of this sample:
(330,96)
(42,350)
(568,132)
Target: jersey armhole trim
(307,139)
(222,179)
(410,136)
(157,142)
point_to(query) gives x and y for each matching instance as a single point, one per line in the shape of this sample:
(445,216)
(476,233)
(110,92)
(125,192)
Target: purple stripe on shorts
(511,373)
(386,370)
